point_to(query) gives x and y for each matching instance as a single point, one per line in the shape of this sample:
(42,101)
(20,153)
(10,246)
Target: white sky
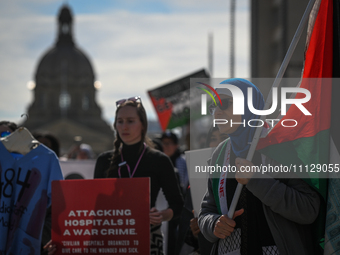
(133,45)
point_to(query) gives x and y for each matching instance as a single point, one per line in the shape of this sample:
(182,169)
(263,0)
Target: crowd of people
(273,216)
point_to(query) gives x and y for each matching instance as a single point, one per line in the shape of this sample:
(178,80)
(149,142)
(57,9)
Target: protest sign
(197,161)
(101,216)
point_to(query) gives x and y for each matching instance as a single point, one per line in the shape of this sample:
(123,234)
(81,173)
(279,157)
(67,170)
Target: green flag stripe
(304,151)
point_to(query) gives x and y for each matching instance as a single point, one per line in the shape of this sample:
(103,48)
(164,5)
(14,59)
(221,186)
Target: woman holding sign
(273,215)
(133,157)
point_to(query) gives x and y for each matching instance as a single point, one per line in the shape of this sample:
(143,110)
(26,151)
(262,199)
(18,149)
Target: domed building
(65,96)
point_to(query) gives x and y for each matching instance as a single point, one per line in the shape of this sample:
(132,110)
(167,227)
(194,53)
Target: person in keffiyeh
(274,213)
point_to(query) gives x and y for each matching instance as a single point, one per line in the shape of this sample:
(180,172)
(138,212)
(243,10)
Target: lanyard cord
(128,167)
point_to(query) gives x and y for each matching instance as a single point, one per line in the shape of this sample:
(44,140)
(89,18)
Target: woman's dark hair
(118,141)
(9,124)
(55,145)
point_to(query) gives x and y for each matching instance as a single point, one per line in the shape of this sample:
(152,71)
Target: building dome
(64,93)
(64,79)
(64,59)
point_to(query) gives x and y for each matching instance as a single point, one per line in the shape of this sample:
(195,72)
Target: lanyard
(128,167)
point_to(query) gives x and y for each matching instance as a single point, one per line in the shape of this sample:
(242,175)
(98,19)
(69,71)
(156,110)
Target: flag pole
(276,83)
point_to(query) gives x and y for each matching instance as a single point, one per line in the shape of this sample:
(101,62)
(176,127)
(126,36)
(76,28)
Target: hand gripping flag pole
(276,83)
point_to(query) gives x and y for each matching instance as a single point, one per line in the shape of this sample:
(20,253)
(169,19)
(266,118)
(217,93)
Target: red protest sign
(101,216)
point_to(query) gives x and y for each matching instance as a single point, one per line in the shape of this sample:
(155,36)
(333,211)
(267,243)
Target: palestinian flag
(332,233)
(309,141)
(172,101)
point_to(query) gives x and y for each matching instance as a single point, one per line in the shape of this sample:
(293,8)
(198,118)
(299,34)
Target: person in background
(215,137)
(85,152)
(202,140)
(79,150)
(171,149)
(7,127)
(49,140)
(157,144)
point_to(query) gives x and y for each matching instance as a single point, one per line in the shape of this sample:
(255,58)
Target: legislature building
(65,94)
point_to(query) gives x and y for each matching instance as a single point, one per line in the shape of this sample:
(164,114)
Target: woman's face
(128,125)
(216,138)
(228,115)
